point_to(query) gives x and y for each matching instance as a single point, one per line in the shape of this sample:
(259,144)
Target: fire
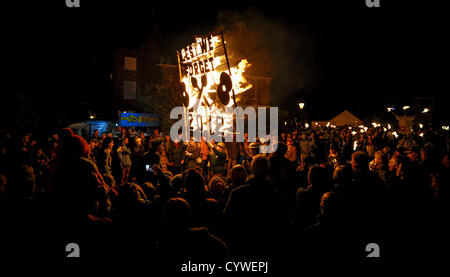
(202,92)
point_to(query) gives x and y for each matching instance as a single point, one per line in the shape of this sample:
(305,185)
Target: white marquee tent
(346,118)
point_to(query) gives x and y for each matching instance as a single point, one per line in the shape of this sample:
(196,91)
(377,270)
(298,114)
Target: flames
(203,100)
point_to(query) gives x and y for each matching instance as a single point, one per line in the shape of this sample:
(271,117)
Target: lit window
(130,63)
(129,90)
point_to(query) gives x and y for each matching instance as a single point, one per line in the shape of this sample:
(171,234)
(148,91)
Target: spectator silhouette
(308,200)
(179,241)
(205,212)
(328,239)
(238,176)
(369,194)
(256,213)
(79,186)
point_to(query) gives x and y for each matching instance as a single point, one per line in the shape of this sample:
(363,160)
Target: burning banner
(209,84)
(210,88)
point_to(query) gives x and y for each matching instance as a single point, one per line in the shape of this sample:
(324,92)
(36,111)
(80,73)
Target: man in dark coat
(218,159)
(176,157)
(256,214)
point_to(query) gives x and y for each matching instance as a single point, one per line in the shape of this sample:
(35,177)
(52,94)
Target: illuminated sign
(209,84)
(138,120)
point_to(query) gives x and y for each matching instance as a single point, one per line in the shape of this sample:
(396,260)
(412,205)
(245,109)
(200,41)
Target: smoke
(274,48)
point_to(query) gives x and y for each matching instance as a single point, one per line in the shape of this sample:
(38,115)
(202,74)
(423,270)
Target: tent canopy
(346,118)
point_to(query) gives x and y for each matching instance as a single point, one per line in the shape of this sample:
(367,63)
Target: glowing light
(354,133)
(201,87)
(306,125)
(349,128)
(446,128)
(355,145)
(91,117)
(328,124)
(362,130)
(421,134)
(395,134)
(389,126)
(301,105)
(406,107)
(285,123)
(425,110)
(385,129)
(420,125)
(374,124)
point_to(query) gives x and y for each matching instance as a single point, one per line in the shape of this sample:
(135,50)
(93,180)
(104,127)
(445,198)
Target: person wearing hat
(192,153)
(254,148)
(218,159)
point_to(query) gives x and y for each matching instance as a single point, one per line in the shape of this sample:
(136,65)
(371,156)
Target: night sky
(63,57)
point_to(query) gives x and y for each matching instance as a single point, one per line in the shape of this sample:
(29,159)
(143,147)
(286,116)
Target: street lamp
(404,109)
(301,105)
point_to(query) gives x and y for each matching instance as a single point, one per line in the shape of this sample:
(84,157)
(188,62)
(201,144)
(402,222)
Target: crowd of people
(325,193)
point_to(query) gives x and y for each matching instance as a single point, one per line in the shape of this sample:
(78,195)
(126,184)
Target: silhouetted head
(194,184)
(131,196)
(177,182)
(176,215)
(318,179)
(360,161)
(342,177)
(217,185)
(74,147)
(260,166)
(238,175)
(330,206)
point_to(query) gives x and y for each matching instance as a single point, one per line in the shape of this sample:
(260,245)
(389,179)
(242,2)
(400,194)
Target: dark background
(57,60)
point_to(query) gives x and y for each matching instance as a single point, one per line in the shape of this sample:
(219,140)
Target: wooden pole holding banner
(228,64)
(181,78)
(229,72)
(179,65)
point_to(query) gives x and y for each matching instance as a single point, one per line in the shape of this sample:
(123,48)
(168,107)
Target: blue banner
(138,120)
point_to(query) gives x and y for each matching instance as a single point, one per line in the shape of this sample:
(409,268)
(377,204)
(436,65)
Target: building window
(130,63)
(129,90)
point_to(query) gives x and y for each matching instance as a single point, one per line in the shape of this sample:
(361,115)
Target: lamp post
(301,105)
(405,108)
